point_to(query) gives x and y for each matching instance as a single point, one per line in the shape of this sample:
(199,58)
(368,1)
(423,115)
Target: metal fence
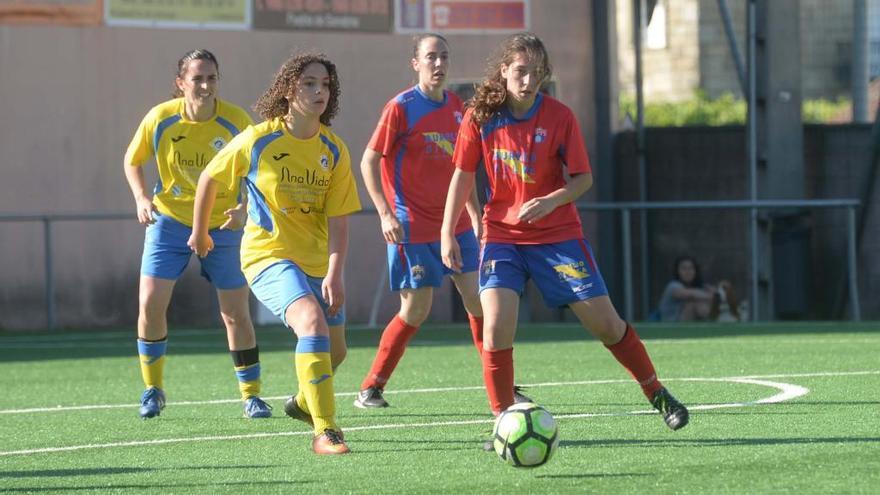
(625,209)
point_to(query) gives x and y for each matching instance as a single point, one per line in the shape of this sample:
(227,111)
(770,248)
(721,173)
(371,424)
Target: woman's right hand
(392,230)
(450,253)
(201,244)
(145,209)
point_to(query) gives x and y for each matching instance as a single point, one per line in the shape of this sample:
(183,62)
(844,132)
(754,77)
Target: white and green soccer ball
(525,435)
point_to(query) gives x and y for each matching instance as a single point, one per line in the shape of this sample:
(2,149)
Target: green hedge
(725,110)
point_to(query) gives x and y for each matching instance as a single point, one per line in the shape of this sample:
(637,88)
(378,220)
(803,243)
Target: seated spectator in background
(687,298)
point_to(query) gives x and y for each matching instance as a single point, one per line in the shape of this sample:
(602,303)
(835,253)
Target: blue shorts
(564,272)
(413,266)
(282,283)
(166,253)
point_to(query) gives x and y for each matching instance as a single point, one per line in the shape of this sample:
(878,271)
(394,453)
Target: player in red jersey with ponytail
(527,141)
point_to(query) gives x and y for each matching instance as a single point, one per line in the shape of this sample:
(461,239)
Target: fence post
(50,279)
(851,263)
(627,263)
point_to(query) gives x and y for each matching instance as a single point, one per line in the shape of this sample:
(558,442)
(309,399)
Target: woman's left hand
(333,291)
(237,218)
(536,209)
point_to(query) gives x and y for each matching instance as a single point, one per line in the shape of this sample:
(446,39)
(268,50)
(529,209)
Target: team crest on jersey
(458,116)
(418,272)
(325,162)
(540,135)
(218,143)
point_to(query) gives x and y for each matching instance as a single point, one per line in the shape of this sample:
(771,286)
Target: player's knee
(236,318)
(609,329)
(414,318)
(472,305)
(307,320)
(337,356)
(415,314)
(151,310)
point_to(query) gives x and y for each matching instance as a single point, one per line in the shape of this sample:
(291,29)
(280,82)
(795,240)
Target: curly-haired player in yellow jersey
(301,189)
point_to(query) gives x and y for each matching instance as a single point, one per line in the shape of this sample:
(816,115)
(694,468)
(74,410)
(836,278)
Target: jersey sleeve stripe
(165,124)
(333,149)
(401,210)
(228,125)
(258,209)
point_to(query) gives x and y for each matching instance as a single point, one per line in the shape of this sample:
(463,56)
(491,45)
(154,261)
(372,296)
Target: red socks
(498,376)
(477,332)
(631,353)
(395,337)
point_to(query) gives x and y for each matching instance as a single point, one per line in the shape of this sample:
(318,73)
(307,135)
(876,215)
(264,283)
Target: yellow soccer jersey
(293,186)
(182,149)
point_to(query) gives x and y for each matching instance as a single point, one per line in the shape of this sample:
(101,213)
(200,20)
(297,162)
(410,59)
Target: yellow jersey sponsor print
(182,149)
(294,185)
(570,271)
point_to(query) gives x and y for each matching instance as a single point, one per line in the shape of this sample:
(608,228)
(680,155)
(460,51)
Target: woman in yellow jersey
(300,191)
(183,135)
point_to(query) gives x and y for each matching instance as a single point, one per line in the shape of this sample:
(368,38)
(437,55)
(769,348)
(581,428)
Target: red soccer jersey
(416,137)
(524,159)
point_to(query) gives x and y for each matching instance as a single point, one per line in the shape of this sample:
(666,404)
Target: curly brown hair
(491,93)
(183,65)
(273,103)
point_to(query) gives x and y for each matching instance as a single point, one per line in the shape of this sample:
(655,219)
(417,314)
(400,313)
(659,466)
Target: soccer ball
(525,435)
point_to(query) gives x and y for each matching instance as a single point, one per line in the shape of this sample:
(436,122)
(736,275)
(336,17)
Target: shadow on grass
(593,476)
(69,473)
(151,487)
(717,442)
(432,445)
(66,473)
(79,344)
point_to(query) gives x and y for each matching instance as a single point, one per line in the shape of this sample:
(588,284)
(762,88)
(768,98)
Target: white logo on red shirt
(540,135)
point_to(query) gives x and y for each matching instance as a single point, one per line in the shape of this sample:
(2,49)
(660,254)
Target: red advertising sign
(461,16)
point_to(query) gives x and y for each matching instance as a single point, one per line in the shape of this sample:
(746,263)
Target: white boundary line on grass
(61,408)
(787,391)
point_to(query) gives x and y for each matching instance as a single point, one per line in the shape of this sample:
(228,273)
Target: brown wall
(71,97)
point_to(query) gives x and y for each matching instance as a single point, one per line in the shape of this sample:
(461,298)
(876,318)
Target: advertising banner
(64,12)
(189,14)
(323,15)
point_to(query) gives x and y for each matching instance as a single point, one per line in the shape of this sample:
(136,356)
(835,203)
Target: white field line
(787,391)
(60,408)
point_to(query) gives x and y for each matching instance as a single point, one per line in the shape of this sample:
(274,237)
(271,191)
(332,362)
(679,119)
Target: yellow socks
(315,375)
(152,358)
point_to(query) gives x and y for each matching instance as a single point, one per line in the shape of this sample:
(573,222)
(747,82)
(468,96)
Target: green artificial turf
(819,434)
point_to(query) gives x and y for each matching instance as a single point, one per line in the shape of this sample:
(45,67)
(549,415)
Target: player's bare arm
(142,199)
(475,213)
(333,288)
(460,188)
(392,231)
(206,192)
